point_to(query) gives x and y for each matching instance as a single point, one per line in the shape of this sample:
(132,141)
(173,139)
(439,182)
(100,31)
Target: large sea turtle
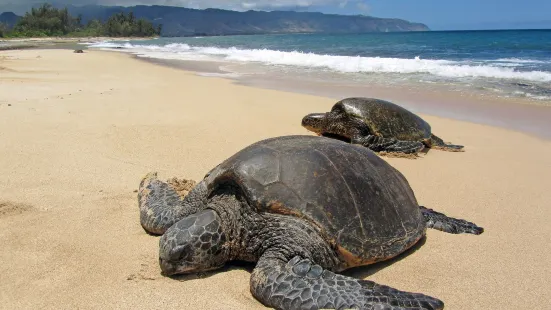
(303,208)
(377,124)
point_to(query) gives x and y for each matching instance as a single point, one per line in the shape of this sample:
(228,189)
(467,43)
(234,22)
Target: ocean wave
(519,93)
(170,48)
(522,61)
(222,75)
(346,64)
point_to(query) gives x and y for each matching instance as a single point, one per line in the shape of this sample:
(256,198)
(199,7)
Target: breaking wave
(502,69)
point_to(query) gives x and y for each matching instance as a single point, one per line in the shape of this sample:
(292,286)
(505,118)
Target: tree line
(46,21)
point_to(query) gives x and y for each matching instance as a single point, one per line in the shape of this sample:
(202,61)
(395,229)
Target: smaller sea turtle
(78,51)
(303,208)
(377,124)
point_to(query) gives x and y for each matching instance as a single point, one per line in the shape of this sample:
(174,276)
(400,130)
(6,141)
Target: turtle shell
(363,206)
(385,118)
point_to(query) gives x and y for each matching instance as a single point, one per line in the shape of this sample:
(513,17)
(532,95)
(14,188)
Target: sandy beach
(79,131)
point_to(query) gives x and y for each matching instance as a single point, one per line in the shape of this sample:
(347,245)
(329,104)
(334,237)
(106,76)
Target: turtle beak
(314,122)
(167,268)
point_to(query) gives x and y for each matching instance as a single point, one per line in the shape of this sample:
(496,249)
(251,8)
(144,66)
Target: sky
(437,14)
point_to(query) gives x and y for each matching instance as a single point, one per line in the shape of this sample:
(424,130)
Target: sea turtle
(377,124)
(303,208)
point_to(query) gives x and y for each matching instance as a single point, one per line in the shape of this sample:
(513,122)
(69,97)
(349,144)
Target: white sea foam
(537,97)
(522,61)
(443,68)
(222,75)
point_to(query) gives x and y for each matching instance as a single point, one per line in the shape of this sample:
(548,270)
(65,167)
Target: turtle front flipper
(300,284)
(380,144)
(450,225)
(439,144)
(162,203)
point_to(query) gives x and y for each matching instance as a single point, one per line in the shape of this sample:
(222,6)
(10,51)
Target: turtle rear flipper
(299,284)
(164,203)
(437,143)
(439,221)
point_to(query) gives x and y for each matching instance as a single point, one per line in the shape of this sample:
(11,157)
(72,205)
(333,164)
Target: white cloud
(362,6)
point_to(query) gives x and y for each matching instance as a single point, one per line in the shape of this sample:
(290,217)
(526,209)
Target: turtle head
(315,122)
(194,244)
(335,124)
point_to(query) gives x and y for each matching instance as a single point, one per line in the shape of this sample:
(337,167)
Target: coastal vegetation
(47,21)
(3,30)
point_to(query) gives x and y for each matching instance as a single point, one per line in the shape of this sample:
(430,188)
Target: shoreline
(79,131)
(73,39)
(530,117)
(58,42)
(503,76)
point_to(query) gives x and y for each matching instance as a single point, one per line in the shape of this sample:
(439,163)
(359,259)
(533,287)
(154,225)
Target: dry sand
(82,129)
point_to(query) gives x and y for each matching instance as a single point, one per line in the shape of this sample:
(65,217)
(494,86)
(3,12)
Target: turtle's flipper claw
(450,225)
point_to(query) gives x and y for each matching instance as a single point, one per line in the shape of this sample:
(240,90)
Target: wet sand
(520,114)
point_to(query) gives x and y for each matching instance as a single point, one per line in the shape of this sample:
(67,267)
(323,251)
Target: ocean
(511,63)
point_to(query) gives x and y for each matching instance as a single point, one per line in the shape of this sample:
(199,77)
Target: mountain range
(179,21)
(9,19)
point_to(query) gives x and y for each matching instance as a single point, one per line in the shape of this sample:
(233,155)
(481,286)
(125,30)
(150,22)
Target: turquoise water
(514,63)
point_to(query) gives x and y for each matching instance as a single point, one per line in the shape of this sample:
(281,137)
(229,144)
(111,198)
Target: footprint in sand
(146,272)
(8,208)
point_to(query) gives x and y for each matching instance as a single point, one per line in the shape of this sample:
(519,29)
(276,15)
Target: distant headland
(180,21)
